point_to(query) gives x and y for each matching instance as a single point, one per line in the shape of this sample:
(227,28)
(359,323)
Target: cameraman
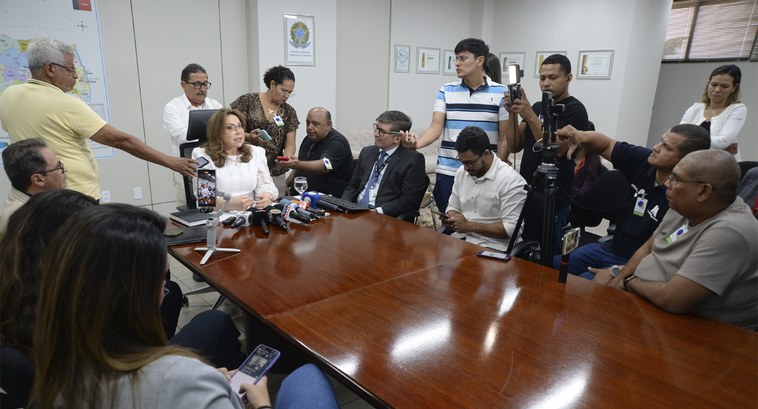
(555,75)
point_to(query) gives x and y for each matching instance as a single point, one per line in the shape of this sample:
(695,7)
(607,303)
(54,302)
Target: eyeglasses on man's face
(471,162)
(675,179)
(59,167)
(198,84)
(382,132)
(72,70)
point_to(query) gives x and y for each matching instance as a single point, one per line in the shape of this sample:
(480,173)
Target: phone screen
(255,366)
(494,254)
(202,161)
(206,188)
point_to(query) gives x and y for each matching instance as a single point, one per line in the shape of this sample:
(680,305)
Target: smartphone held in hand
(255,367)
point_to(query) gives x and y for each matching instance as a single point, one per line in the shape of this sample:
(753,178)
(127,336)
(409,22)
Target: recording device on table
(548,172)
(209,189)
(254,368)
(494,254)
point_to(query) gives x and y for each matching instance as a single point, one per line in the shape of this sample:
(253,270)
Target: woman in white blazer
(719,110)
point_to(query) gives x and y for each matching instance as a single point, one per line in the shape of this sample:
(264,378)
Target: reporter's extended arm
(593,141)
(433,132)
(110,136)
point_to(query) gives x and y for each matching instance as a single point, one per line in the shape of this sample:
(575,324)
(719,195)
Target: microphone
(291,215)
(243,219)
(297,209)
(315,199)
(260,217)
(275,217)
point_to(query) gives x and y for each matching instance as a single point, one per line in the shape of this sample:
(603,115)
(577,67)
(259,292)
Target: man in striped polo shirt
(473,100)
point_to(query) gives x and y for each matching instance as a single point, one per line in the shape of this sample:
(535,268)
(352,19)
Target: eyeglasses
(72,70)
(382,132)
(469,163)
(59,167)
(233,127)
(198,84)
(676,179)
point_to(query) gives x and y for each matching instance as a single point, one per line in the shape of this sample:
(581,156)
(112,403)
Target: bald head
(318,123)
(717,167)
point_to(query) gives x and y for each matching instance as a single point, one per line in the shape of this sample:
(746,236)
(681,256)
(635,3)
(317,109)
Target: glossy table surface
(435,326)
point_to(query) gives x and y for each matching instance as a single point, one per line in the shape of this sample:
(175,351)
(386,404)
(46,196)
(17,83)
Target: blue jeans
(443,187)
(306,387)
(590,255)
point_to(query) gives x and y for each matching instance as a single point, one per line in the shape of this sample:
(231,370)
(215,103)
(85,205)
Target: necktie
(374,177)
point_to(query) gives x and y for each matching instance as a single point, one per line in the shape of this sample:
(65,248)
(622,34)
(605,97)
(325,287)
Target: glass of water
(301,184)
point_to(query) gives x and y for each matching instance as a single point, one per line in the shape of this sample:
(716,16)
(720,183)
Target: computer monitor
(198,124)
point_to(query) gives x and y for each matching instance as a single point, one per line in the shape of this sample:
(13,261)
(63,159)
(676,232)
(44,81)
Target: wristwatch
(626,282)
(615,270)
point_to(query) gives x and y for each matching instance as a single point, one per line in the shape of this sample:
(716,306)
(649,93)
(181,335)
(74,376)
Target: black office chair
(610,193)
(185,151)
(745,166)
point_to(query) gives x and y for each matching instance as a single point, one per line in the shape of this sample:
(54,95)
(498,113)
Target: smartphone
(206,189)
(202,161)
(283,158)
(255,366)
(264,135)
(570,240)
(441,215)
(494,254)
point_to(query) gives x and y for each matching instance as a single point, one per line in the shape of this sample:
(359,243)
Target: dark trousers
(213,335)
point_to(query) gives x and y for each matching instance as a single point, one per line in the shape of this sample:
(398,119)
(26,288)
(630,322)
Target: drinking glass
(301,184)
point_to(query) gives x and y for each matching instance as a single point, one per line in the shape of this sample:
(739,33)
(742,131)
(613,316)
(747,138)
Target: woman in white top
(719,110)
(241,168)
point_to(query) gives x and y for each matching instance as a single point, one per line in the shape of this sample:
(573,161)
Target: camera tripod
(210,239)
(547,172)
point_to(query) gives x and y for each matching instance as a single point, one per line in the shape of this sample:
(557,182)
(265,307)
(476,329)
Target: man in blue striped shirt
(473,100)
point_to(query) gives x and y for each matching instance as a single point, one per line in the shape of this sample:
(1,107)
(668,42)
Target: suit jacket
(403,184)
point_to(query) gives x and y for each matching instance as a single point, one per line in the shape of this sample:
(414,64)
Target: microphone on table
(315,200)
(275,217)
(243,219)
(260,217)
(289,214)
(299,210)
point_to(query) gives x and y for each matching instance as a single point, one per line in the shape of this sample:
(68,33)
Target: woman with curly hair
(270,111)
(241,168)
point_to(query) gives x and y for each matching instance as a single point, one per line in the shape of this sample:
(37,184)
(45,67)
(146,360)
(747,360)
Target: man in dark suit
(388,178)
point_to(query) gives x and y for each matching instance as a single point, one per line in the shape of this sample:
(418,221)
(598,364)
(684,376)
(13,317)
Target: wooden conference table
(409,318)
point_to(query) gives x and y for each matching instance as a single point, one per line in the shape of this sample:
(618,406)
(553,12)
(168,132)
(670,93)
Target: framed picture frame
(595,64)
(299,40)
(448,62)
(539,57)
(427,60)
(402,58)
(507,59)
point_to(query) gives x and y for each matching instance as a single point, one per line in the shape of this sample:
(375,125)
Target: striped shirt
(464,107)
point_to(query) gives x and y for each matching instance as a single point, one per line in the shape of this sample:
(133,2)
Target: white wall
(147,43)
(681,85)
(314,86)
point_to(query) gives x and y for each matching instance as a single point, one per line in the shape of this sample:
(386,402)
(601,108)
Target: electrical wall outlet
(105,196)
(137,191)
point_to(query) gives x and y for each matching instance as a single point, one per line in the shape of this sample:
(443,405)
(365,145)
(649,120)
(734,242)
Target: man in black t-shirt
(324,157)
(555,76)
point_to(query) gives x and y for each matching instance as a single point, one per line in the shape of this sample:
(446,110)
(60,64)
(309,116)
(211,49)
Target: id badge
(675,235)
(278,121)
(639,206)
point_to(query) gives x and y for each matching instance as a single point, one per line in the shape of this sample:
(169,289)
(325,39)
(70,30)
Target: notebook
(190,217)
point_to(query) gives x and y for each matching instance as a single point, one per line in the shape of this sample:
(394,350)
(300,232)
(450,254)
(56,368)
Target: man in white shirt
(195,84)
(487,194)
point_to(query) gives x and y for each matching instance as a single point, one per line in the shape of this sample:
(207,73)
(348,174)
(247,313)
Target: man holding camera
(472,100)
(555,76)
